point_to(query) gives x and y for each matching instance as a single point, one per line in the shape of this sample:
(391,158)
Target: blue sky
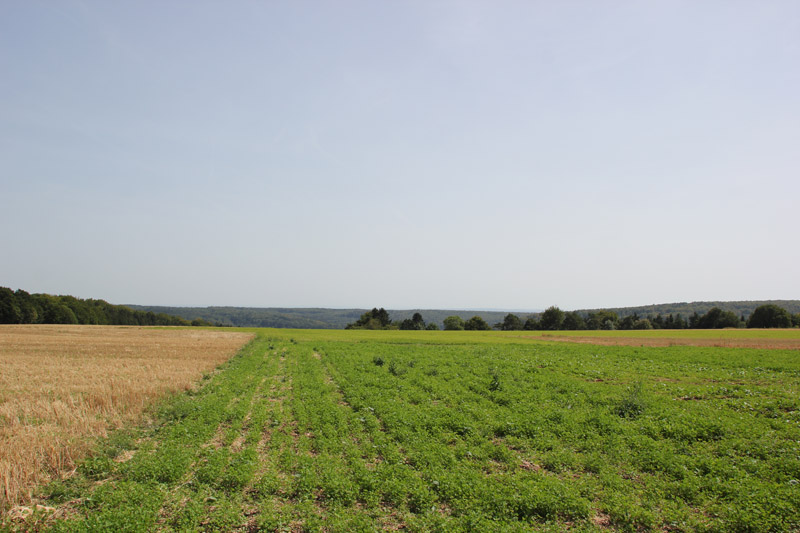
(401,154)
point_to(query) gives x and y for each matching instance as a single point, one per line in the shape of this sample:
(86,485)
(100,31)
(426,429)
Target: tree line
(379,319)
(686,309)
(20,307)
(553,318)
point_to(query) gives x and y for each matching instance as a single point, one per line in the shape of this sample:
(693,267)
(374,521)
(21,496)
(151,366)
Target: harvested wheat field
(60,386)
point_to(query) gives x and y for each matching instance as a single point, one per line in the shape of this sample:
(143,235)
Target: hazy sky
(401,154)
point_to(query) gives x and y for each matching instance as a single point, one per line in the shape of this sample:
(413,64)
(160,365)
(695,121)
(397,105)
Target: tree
(31,311)
(433,326)
(716,318)
(796,319)
(9,310)
(628,321)
(728,319)
(675,322)
(476,323)
(415,322)
(453,323)
(375,319)
(382,315)
(552,318)
(573,320)
(602,320)
(25,308)
(61,314)
(511,322)
(769,316)
(657,321)
(532,324)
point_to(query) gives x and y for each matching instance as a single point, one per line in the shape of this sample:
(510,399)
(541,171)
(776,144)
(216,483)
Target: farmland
(788,339)
(60,386)
(446,431)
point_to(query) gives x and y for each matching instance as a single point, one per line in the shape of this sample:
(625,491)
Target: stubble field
(454,431)
(60,386)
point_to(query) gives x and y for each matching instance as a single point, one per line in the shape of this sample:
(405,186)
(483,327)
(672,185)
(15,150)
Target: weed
(632,405)
(494,385)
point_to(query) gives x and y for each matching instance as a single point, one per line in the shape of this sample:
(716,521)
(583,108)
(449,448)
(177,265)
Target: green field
(727,333)
(456,431)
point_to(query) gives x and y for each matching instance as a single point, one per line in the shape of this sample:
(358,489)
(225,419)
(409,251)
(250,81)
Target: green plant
(632,404)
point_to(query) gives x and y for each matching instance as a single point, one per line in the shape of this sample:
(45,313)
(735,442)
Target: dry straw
(60,386)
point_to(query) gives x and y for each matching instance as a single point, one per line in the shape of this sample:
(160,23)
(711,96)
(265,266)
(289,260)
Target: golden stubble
(61,386)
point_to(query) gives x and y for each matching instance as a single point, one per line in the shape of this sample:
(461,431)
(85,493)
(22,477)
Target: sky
(415,154)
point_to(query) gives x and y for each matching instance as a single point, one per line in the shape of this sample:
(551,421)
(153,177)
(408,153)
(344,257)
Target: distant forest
(554,319)
(742,308)
(304,318)
(263,317)
(19,307)
(321,318)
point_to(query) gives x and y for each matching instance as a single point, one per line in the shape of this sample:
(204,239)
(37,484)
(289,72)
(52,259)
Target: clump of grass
(494,385)
(633,404)
(394,369)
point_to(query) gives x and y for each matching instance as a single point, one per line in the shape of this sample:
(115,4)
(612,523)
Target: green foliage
(634,322)
(476,323)
(494,385)
(375,319)
(716,318)
(10,312)
(661,316)
(511,322)
(490,432)
(414,323)
(532,324)
(22,308)
(632,405)
(770,316)
(573,321)
(453,323)
(686,309)
(605,320)
(551,319)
